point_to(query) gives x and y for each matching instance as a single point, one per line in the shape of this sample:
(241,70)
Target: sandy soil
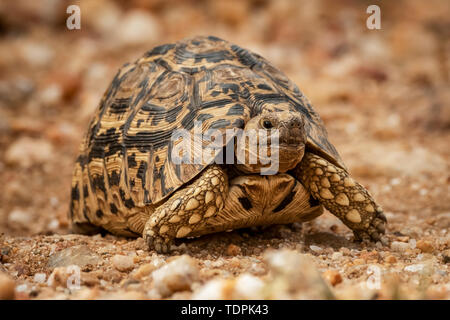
(383,95)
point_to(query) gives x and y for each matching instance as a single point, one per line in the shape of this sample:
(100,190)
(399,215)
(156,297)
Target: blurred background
(383,94)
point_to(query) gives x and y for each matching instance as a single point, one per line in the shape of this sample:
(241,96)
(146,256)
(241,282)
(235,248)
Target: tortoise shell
(125,157)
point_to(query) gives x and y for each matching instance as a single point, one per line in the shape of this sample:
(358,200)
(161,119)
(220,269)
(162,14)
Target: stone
(7,286)
(143,271)
(137,27)
(399,246)
(233,250)
(390,259)
(79,255)
(425,246)
(333,277)
(123,263)
(248,287)
(414,268)
(315,248)
(40,277)
(20,218)
(26,152)
(177,275)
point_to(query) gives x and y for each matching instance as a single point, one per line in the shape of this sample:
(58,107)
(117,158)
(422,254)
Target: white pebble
(122,263)
(315,248)
(248,287)
(336,255)
(39,277)
(22,288)
(212,290)
(399,246)
(20,217)
(178,275)
(414,268)
(28,151)
(412,243)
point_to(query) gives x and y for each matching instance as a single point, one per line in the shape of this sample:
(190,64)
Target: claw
(381,228)
(159,244)
(375,235)
(382,216)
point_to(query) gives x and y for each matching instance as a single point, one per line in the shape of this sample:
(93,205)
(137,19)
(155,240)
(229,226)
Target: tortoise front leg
(342,196)
(187,209)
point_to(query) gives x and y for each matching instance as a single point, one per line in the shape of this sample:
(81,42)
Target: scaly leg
(187,209)
(342,196)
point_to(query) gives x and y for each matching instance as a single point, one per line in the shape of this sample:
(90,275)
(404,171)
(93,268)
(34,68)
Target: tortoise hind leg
(187,209)
(342,196)
(87,228)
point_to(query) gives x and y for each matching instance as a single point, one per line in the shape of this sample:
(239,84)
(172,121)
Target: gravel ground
(383,95)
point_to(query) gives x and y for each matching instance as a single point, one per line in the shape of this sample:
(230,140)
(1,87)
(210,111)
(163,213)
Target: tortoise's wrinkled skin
(125,182)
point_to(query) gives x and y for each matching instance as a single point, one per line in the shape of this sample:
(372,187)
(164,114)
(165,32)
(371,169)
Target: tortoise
(126,180)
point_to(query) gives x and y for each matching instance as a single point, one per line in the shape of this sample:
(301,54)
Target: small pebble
(336,255)
(333,277)
(177,275)
(144,270)
(399,246)
(414,268)
(403,238)
(425,246)
(315,248)
(7,286)
(390,259)
(248,287)
(233,250)
(446,256)
(123,263)
(39,277)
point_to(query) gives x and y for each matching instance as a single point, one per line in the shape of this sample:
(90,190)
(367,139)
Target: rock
(89,279)
(40,277)
(112,275)
(370,256)
(36,54)
(245,286)
(294,276)
(60,277)
(7,286)
(233,250)
(248,287)
(425,246)
(77,255)
(390,259)
(144,270)
(26,152)
(137,27)
(336,256)
(414,268)
(177,275)
(215,289)
(333,277)
(20,218)
(446,256)
(399,246)
(315,248)
(123,263)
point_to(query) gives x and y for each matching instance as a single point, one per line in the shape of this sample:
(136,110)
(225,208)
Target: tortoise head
(280,137)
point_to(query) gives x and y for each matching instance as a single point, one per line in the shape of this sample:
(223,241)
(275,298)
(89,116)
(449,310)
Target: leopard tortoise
(126,182)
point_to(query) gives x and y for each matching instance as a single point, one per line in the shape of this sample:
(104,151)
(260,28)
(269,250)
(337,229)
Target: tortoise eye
(267,124)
